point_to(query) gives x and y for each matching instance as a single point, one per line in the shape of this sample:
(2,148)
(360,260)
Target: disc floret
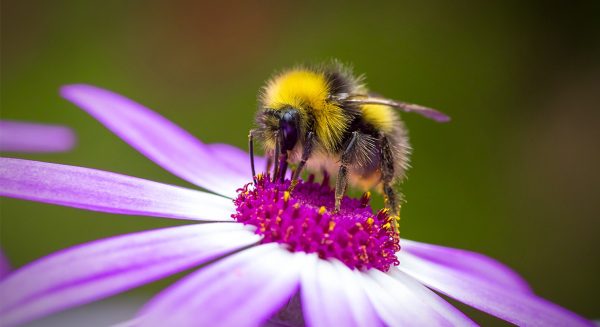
(305,221)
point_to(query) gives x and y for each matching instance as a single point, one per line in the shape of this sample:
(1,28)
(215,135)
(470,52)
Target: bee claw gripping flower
(258,248)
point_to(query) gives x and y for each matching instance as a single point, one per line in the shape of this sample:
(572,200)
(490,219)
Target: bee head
(289,128)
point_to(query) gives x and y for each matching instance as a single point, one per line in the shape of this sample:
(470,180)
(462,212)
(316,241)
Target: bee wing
(406,107)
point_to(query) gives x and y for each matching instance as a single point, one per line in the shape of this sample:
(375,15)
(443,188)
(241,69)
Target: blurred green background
(514,175)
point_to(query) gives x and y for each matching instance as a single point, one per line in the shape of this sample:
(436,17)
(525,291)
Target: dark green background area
(514,175)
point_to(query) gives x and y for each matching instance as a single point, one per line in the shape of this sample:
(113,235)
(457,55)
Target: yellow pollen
(286,196)
(370,221)
(363,255)
(331,225)
(322,210)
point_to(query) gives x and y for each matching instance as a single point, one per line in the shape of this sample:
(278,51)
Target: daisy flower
(263,254)
(16,136)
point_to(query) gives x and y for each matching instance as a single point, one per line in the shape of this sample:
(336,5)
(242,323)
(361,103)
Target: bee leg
(392,199)
(341,184)
(306,151)
(269,162)
(251,148)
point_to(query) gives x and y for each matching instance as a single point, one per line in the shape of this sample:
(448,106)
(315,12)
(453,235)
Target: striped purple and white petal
(404,302)
(488,295)
(469,264)
(245,289)
(98,190)
(162,141)
(99,269)
(16,136)
(331,296)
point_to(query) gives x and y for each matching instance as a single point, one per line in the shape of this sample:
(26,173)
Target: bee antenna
(276,157)
(251,148)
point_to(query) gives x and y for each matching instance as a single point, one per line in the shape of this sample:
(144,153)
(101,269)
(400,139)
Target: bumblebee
(324,118)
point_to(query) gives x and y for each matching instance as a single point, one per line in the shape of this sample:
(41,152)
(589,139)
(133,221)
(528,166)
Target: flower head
(306,222)
(260,249)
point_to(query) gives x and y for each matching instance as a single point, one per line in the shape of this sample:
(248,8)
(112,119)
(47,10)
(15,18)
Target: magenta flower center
(304,221)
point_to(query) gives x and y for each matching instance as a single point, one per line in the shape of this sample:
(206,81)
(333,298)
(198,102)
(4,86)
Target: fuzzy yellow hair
(307,91)
(380,116)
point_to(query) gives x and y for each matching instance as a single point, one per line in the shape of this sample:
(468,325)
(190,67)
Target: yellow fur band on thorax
(308,91)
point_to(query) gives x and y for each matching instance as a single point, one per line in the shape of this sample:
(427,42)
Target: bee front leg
(341,184)
(306,152)
(392,199)
(269,163)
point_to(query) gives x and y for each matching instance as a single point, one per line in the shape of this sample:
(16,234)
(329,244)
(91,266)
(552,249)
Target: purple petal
(445,309)
(157,138)
(331,296)
(523,309)
(103,268)
(237,159)
(28,137)
(404,302)
(245,289)
(467,263)
(4,266)
(98,190)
